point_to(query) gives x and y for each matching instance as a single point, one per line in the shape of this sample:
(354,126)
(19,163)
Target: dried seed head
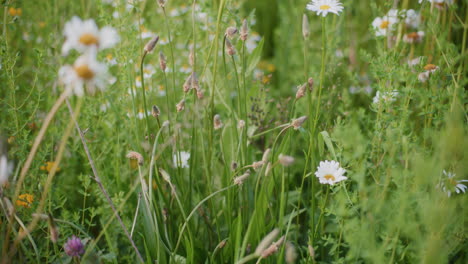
(217,123)
(165,175)
(311,83)
(241,124)
(234,166)
(285,160)
(151,44)
(162,3)
(240,180)
(180,106)
(311,251)
(297,123)
(162,61)
(257,165)
(301,90)
(231,32)
(187,84)
(266,155)
(273,248)
(305,26)
(291,254)
(136,156)
(155,111)
(266,242)
(244,32)
(230,48)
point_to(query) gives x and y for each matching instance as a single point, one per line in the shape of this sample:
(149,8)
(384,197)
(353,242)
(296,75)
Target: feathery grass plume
(162,61)
(301,90)
(297,123)
(266,155)
(240,180)
(310,81)
(305,27)
(217,123)
(187,84)
(291,254)
(155,111)
(180,106)
(231,32)
(230,50)
(241,124)
(244,32)
(311,251)
(133,155)
(285,160)
(149,47)
(266,242)
(273,248)
(257,165)
(165,175)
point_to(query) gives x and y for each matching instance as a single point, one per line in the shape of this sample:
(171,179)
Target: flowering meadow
(233,131)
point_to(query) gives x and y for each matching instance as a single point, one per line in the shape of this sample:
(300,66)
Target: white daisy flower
(383,25)
(85,72)
(330,172)
(5,169)
(451,185)
(386,97)
(323,7)
(180,159)
(412,19)
(85,35)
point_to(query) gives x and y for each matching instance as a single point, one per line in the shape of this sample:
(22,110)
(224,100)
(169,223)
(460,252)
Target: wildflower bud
(305,26)
(301,90)
(297,123)
(180,106)
(291,254)
(151,44)
(74,247)
(423,76)
(244,32)
(311,83)
(257,165)
(165,175)
(285,160)
(273,248)
(135,156)
(266,155)
(230,48)
(199,93)
(268,169)
(162,61)
(54,233)
(217,123)
(231,32)
(162,3)
(234,166)
(187,84)
(311,251)
(241,124)
(240,180)
(155,111)
(266,241)
(194,81)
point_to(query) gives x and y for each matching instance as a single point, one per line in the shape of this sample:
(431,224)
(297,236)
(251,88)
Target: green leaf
(326,138)
(254,58)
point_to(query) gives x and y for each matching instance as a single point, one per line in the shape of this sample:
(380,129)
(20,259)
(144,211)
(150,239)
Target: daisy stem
(145,109)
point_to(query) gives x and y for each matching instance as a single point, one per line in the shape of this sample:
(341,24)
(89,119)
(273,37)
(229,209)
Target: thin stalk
(171,46)
(144,94)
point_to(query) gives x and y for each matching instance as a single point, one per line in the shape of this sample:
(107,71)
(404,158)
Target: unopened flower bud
(301,90)
(194,81)
(155,111)
(297,123)
(257,165)
(135,156)
(230,48)
(285,160)
(162,3)
(311,83)
(187,84)
(305,26)
(240,180)
(244,32)
(231,32)
(217,123)
(162,61)
(241,124)
(151,44)
(180,106)
(199,93)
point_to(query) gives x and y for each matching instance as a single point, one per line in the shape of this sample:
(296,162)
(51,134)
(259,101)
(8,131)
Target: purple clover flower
(74,247)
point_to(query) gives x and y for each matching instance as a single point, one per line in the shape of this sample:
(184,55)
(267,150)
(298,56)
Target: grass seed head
(305,27)
(285,160)
(266,242)
(180,106)
(230,50)
(244,32)
(135,156)
(301,90)
(155,111)
(231,32)
(297,123)
(149,47)
(162,61)
(240,180)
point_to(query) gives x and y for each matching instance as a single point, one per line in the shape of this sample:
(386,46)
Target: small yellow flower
(48,166)
(42,24)
(25,200)
(15,11)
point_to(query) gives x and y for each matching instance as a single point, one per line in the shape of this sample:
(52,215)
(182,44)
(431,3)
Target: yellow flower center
(453,182)
(430,67)
(325,7)
(329,177)
(84,72)
(384,24)
(88,39)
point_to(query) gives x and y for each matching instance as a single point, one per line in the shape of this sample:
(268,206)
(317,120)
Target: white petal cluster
(330,172)
(323,7)
(385,97)
(450,185)
(180,159)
